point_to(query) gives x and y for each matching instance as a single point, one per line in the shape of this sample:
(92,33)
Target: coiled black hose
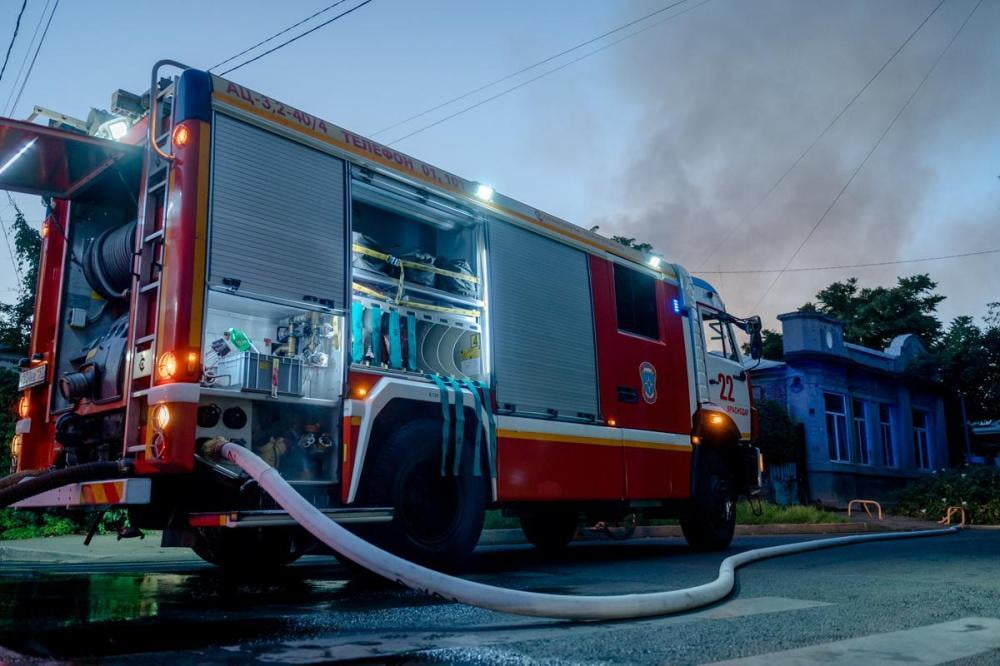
(57,478)
(108,262)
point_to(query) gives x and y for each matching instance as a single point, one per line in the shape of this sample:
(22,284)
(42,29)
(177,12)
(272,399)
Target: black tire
(257,552)
(709,521)
(438,519)
(549,529)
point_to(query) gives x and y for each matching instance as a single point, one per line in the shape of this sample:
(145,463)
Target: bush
(975,488)
(780,439)
(15,524)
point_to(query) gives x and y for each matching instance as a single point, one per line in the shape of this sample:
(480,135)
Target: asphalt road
(922,601)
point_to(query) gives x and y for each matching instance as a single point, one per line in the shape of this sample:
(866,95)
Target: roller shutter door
(542,324)
(278,222)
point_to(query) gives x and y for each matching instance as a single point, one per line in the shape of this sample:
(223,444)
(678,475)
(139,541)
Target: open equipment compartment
(274,335)
(417,295)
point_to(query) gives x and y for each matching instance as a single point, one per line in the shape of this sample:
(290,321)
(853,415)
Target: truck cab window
(718,336)
(635,299)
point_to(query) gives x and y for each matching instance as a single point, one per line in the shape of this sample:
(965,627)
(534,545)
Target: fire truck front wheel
(710,518)
(438,519)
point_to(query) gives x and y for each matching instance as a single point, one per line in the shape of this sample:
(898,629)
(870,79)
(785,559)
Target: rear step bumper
(116,492)
(278,518)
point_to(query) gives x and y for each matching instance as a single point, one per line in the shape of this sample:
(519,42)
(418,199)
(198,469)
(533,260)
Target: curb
(508,537)
(504,537)
(9,554)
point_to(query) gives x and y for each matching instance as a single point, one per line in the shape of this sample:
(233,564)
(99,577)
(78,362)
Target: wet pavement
(184,612)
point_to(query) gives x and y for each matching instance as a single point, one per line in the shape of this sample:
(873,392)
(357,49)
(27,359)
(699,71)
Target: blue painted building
(870,427)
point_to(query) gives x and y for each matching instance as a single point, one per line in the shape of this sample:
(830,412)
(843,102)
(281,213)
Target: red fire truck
(408,348)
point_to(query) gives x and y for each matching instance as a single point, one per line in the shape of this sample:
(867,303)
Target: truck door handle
(713,381)
(627,394)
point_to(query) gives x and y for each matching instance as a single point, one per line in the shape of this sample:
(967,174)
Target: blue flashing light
(677,306)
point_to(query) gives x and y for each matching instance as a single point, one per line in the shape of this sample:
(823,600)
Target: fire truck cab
(406,347)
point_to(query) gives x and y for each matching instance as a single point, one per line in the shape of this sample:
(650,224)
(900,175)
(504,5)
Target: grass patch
(797,514)
(495,520)
(770,514)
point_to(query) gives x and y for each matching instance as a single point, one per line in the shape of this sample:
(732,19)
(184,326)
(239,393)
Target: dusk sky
(673,136)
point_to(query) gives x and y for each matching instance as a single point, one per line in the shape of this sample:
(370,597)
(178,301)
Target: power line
(844,266)
(277,34)
(544,74)
(24,58)
(296,38)
(13,38)
(10,252)
(525,69)
(34,57)
(861,165)
(829,126)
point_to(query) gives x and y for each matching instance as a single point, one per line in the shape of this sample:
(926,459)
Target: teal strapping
(446,427)
(492,432)
(459,422)
(357,332)
(411,343)
(395,344)
(375,324)
(476,460)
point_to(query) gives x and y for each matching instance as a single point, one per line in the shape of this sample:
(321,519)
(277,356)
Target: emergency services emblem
(647,376)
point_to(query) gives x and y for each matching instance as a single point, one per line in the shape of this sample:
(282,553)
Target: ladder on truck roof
(147,266)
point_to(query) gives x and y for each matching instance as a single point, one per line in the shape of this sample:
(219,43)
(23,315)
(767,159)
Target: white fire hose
(518,602)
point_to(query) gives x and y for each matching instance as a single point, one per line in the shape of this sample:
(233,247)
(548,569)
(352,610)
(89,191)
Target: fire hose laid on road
(451,588)
(518,602)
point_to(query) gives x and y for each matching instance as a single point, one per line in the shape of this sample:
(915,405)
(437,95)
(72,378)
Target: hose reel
(107,263)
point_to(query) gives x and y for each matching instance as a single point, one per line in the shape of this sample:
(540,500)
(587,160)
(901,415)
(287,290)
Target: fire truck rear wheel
(247,551)
(709,521)
(549,529)
(438,519)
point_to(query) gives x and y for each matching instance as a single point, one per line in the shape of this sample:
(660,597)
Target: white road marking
(386,642)
(920,646)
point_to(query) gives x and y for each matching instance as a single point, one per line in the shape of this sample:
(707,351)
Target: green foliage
(15,318)
(774,345)
(967,359)
(21,524)
(16,524)
(780,439)
(630,242)
(15,326)
(772,514)
(873,316)
(8,416)
(975,488)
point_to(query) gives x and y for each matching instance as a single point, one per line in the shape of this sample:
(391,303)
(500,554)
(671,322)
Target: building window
(885,434)
(635,300)
(860,422)
(836,427)
(922,438)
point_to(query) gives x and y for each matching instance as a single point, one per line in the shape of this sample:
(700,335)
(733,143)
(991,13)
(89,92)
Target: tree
(873,316)
(630,242)
(15,325)
(774,345)
(966,358)
(780,439)
(15,318)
